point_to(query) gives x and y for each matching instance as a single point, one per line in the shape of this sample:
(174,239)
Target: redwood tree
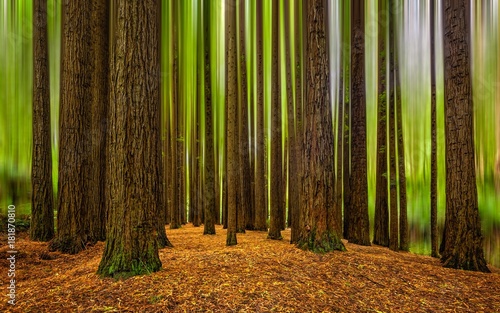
(134,164)
(462,239)
(317,226)
(42,195)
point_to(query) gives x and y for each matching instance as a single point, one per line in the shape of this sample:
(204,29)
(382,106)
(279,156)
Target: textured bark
(393,211)
(42,194)
(381,223)
(316,197)
(232,123)
(260,183)
(75,140)
(99,67)
(404,243)
(209,168)
(434,170)
(463,242)
(244,154)
(358,225)
(175,144)
(275,152)
(134,162)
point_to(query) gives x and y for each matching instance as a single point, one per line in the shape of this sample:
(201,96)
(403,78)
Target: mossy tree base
(67,244)
(274,235)
(122,267)
(231,239)
(320,243)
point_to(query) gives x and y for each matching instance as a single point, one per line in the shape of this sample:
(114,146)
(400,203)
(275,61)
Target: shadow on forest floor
(201,274)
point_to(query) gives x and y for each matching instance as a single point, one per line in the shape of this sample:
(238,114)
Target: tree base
(320,243)
(274,235)
(231,239)
(67,244)
(136,267)
(466,262)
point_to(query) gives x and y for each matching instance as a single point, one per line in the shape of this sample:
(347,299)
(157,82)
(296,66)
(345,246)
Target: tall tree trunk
(463,242)
(135,193)
(381,223)
(434,169)
(275,153)
(75,140)
(316,219)
(232,123)
(346,118)
(210,216)
(404,244)
(42,194)
(99,27)
(358,225)
(260,183)
(497,116)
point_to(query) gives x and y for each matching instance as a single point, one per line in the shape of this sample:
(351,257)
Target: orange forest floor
(201,274)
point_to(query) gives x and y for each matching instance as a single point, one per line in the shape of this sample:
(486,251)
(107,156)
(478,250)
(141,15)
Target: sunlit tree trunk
(42,195)
(463,242)
(275,153)
(434,170)
(381,223)
(75,140)
(232,123)
(497,117)
(317,190)
(358,226)
(260,183)
(134,150)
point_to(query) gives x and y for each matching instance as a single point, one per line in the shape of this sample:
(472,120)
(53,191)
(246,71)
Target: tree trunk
(463,242)
(75,140)
(381,223)
(260,182)
(434,169)
(346,118)
(275,152)
(317,233)
(358,225)
(42,194)
(134,150)
(232,123)
(404,244)
(496,170)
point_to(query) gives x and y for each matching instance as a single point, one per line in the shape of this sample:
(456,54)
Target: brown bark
(42,194)
(404,244)
(75,140)
(463,242)
(232,124)
(260,183)
(434,170)
(381,223)
(134,148)
(358,225)
(275,152)
(317,233)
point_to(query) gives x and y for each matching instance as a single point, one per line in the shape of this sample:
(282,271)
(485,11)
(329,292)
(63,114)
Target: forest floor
(201,274)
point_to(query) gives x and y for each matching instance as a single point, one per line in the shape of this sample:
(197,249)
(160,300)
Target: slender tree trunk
(434,169)
(317,233)
(134,151)
(42,194)
(340,130)
(260,182)
(381,223)
(497,116)
(75,140)
(346,124)
(463,242)
(404,244)
(232,124)
(358,225)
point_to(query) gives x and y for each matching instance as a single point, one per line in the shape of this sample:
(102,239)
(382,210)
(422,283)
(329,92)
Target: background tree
(134,146)
(42,194)
(358,225)
(317,223)
(462,239)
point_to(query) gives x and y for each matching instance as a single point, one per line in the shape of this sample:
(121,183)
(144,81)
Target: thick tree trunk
(434,170)
(232,124)
(275,151)
(75,140)
(260,182)
(463,242)
(42,194)
(358,225)
(134,151)
(381,223)
(317,233)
